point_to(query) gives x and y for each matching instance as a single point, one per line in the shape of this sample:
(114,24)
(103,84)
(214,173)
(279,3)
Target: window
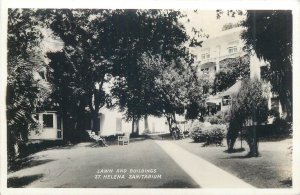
(48,120)
(205,70)
(42,74)
(205,55)
(232,49)
(226,100)
(58,134)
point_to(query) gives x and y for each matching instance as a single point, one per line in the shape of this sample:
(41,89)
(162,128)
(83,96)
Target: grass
(272,169)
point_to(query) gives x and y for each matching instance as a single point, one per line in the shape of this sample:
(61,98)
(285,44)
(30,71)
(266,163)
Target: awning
(213,100)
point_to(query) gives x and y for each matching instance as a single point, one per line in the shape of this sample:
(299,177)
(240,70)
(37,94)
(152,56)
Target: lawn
(272,169)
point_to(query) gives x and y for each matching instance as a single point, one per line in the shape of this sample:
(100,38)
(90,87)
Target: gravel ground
(272,169)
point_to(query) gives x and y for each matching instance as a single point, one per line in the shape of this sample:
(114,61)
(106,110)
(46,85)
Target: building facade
(215,50)
(50,126)
(227,44)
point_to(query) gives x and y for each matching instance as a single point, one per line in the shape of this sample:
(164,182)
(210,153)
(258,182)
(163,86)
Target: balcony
(220,58)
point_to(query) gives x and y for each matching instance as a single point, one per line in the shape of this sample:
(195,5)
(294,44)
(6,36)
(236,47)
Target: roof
(234,89)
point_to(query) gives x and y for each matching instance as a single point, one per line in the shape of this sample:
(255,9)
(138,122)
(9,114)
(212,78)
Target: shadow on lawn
(115,142)
(70,146)
(247,156)
(18,182)
(287,183)
(27,162)
(235,150)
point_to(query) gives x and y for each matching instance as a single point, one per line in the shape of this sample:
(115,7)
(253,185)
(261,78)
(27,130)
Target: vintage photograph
(149,98)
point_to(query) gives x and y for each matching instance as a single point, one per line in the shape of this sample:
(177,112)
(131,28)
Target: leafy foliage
(207,133)
(230,25)
(25,92)
(272,42)
(146,84)
(221,117)
(231,70)
(83,57)
(250,106)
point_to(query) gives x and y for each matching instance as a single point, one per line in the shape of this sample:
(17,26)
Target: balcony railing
(220,58)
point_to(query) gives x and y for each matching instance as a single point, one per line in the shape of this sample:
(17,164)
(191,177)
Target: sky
(208,22)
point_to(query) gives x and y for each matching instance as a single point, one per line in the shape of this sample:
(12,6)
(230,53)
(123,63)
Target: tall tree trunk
(95,122)
(232,135)
(137,128)
(253,142)
(146,124)
(132,126)
(79,118)
(169,122)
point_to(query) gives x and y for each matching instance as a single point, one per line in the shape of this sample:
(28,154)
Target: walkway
(204,173)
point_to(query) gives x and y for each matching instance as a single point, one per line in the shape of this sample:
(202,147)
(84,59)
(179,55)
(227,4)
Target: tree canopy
(249,107)
(269,34)
(99,47)
(25,90)
(104,46)
(231,69)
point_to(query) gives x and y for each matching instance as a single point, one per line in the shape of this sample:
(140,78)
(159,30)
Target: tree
(146,35)
(83,66)
(232,69)
(249,108)
(180,88)
(100,44)
(25,93)
(229,26)
(269,34)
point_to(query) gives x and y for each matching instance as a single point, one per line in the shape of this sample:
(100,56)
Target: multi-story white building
(227,44)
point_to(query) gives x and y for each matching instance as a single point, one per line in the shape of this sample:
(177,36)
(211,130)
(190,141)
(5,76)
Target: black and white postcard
(110,98)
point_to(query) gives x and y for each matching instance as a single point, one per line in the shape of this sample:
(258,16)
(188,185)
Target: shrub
(26,149)
(214,134)
(207,133)
(221,117)
(212,119)
(281,126)
(196,129)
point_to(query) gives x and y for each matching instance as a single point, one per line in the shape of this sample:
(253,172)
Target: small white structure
(50,126)
(112,122)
